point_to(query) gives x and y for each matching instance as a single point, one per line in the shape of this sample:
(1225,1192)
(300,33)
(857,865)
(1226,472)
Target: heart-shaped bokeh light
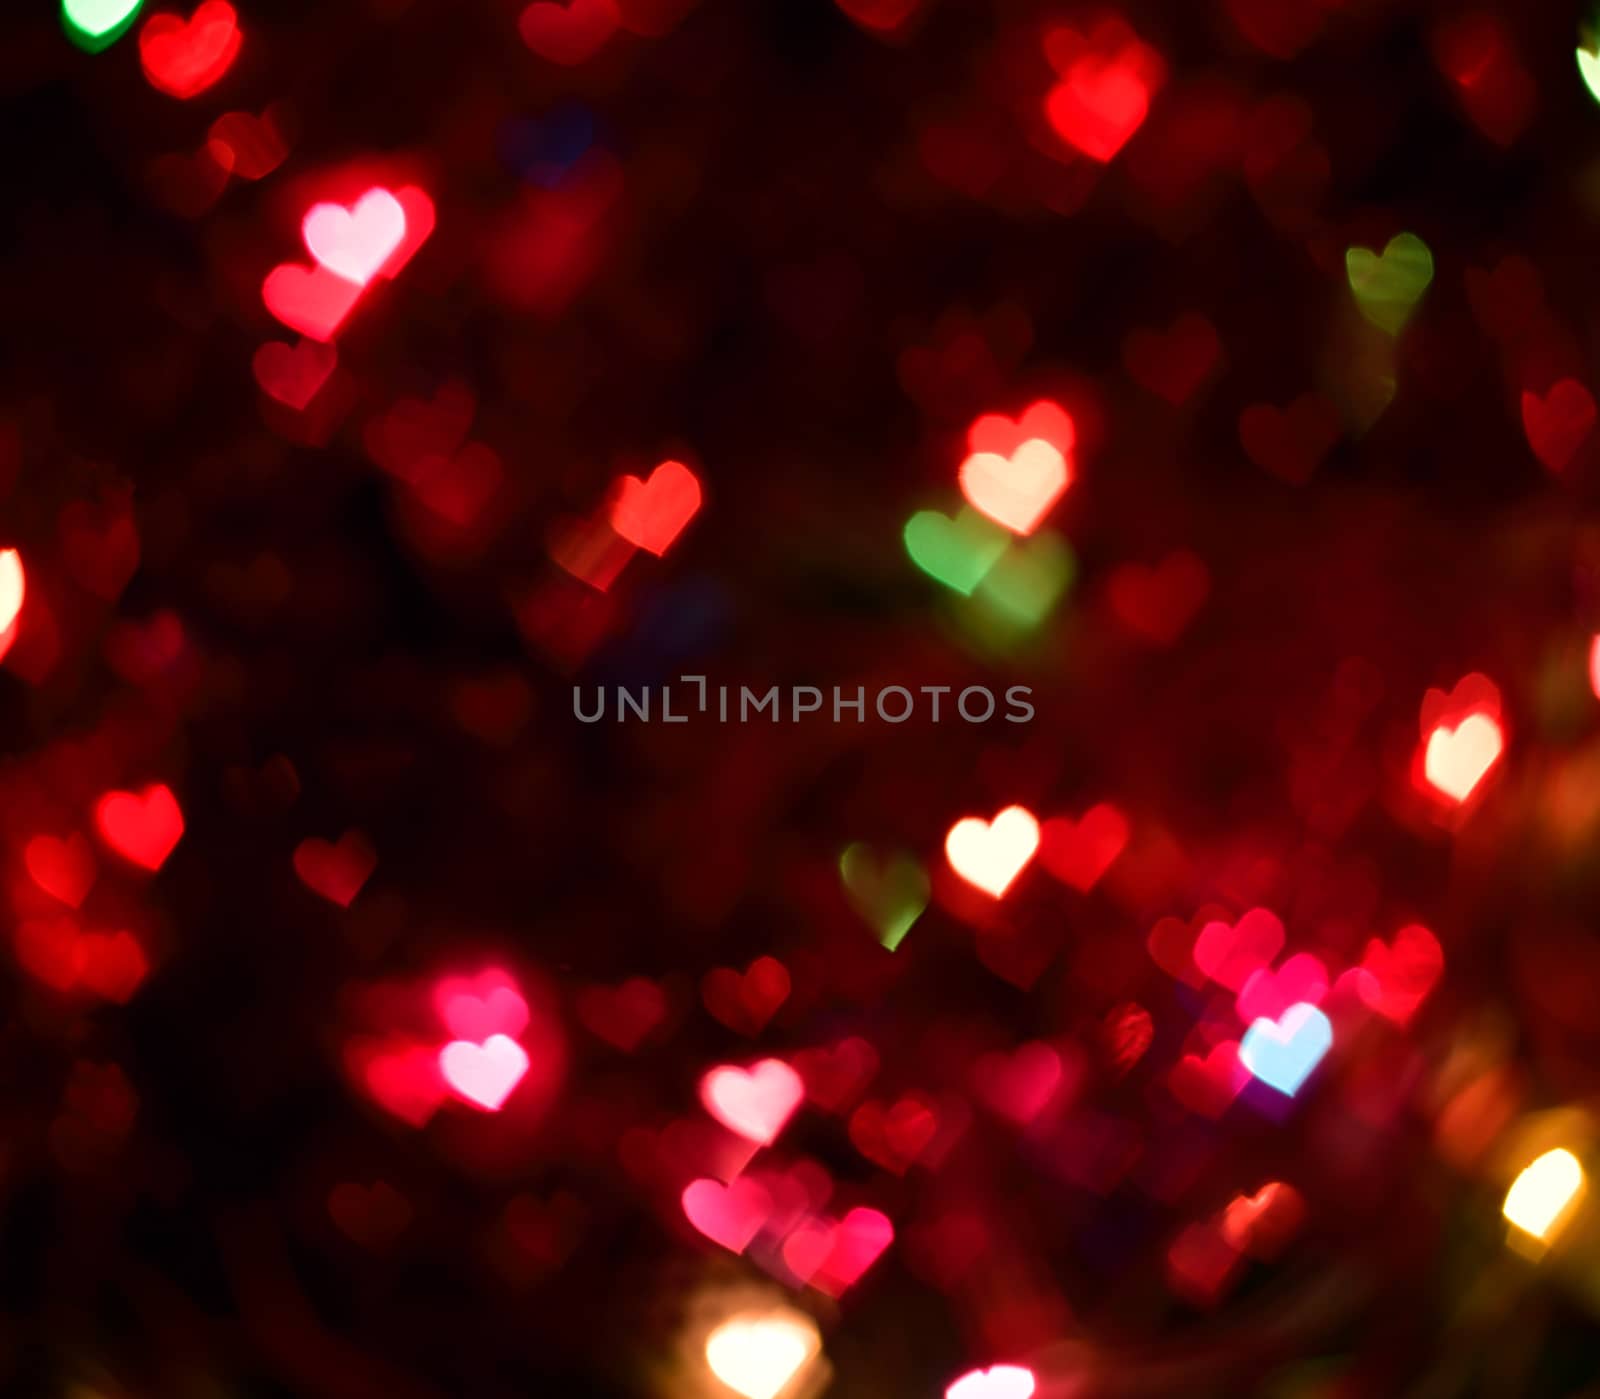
(991,854)
(762,1356)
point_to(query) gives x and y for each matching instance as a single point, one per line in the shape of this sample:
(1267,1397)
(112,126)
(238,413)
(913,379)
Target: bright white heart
(758,1356)
(753,1102)
(1540,1195)
(1018,490)
(484,1073)
(990,854)
(12,587)
(997,1382)
(355,243)
(1458,758)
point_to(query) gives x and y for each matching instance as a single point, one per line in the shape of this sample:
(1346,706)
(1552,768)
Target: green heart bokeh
(890,894)
(1028,580)
(97,24)
(957,552)
(1387,285)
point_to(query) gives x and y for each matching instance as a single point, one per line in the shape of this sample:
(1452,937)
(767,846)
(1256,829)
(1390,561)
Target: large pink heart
(312,300)
(484,1074)
(753,1102)
(730,1215)
(355,243)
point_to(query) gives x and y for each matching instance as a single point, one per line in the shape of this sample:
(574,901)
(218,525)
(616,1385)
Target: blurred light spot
(997,1382)
(991,854)
(759,1356)
(1540,1198)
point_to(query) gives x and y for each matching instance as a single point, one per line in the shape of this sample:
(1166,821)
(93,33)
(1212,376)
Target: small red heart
(1174,362)
(457,489)
(1208,1086)
(112,965)
(895,1136)
(544,1233)
(1079,852)
(1171,944)
(832,1256)
(294,376)
(1230,953)
(101,545)
(1559,422)
(1019,1085)
(312,300)
(1201,1264)
(651,514)
(51,950)
(746,1002)
(571,33)
(1401,975)
(624,1015)
(141,827)
(185,57)
(64,869)
(415,430)
(402,1077)
(1107,81)
(730,1215)
(337,872)
(1290,442)
(836,1076)
(1263,1224)
(254,146)
(1158,603)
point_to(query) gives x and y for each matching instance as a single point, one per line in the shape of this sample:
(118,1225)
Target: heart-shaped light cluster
(799,1242)
(1013,474)
(1107,79)
(484,1063)
(1463,738)
(351,247)
(1287,1032)
(646,514)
